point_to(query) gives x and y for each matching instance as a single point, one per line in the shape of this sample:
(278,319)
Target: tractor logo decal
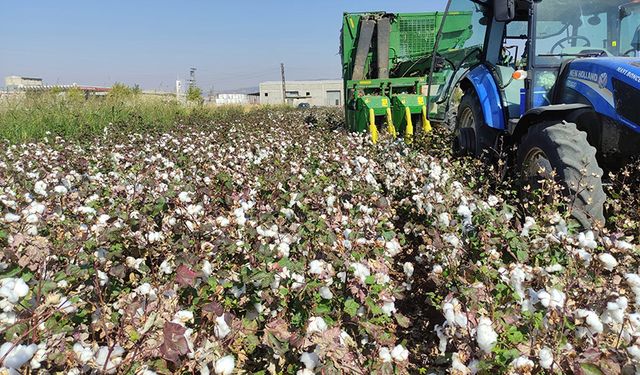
(603,80)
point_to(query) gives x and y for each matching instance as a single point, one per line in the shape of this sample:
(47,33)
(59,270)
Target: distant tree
(75,95)
(120,91)
(194,94)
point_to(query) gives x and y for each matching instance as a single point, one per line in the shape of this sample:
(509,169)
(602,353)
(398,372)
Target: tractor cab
(525,43)
(557,79)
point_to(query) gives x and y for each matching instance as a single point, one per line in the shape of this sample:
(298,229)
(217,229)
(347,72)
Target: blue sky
(233,44)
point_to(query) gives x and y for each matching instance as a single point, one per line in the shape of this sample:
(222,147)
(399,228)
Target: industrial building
(13,83)
(323,93)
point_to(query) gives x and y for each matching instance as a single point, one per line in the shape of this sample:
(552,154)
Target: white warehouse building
(323,93)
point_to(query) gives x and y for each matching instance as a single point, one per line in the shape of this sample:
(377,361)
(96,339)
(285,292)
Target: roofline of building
(303,82)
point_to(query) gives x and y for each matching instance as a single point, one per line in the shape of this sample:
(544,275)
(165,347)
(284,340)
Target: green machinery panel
(389,56)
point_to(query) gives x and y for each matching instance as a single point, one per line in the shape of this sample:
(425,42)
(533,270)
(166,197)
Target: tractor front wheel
(472,136)
(550,147)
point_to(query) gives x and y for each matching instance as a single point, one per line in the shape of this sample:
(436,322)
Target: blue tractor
(559,79)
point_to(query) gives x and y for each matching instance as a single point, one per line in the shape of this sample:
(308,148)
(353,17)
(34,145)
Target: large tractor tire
(561,147)
(472,136)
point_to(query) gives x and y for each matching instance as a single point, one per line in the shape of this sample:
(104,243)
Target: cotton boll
(457,365)
(399,353)
(393,248)
(206,268)
(553,299)
(444,219)
(529,222)
(608,261)
(587,240)
(40,188)
(225,365)
(316,324)
(443,339)
(221,329)
(492,200)
(183,317)
(109,360)
(408,269)
(615,311)
(11,218)
(310,360)
(325,293)
(184,197)
(317,267)
(634,352)
(388,307)
(385,354)
(485,335)
(360,271)
(584,256)
(83,354)
(165,267)
(18,356)
(522,364)
(592,320)
(546,358)
(60,190)
(517,279)
(13,289)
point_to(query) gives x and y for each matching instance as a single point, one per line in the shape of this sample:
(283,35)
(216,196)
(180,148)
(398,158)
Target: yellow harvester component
(391,127)
(426,124)
(408,136)
(373,130)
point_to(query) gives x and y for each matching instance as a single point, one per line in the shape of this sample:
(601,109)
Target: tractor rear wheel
(472,137)
(561,147)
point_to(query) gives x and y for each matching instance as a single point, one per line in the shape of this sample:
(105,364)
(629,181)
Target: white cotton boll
(634,352)
(587,240)
(408,269)
(39,357)
(592,320)
(615,311)
(165,267)
(393,248)
(523,364)
(399,353)
(465,213)
(184,197)
(13,289)
(492,200)
(443,339)
(183,317)
(223,221)
(553,299)
(155,237)
(206,268)
(444,219)
(310,360)
(221,329)
(283,249)
(437,269)
(60,190)
(11,218)
(608,261)
(83,354)
(326,293)
(360,271)
(584,256)
(529,222)
(388,307)
(316,324)
(453,314)
(485,335)
(517,277)
(18,356)
(241,220)
(40,188)
(32,219)
(451,239)
(89,211)
(385,354)
(317,267)
(204,369)
(624,245)
(546,358)
(225,365)
(67,307)
(103,278)
(109,361)
(553,268)
(458,366)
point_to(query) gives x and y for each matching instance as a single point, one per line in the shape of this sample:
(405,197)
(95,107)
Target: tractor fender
(484,84)
(557,112)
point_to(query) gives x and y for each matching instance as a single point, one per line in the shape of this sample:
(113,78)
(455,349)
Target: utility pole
(192,78)
(284,85)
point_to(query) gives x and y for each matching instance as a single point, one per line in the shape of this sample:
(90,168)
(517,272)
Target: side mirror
(504,10)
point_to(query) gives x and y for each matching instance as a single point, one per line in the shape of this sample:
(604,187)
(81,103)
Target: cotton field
(279,243)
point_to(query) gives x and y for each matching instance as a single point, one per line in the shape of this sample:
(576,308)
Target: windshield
(570,28)
(630,29)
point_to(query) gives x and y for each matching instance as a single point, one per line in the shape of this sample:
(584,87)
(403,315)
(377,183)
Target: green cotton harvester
(386,60)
